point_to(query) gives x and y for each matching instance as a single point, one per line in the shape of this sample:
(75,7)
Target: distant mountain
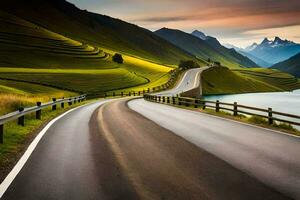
(251,47)
(208,48)
(292,65)
(258,61)
(66,19)
(274,51)
(199,34)
(230,46)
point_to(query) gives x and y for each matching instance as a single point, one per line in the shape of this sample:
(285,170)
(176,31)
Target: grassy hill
(95,29)
(34,56)
(221,80)
(292,65)
(205,49)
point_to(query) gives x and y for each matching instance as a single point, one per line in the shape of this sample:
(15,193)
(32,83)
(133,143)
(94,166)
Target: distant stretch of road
(113,149)
(189,81)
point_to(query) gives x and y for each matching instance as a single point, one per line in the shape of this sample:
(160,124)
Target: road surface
(271,157)
(106,150)
(189,81)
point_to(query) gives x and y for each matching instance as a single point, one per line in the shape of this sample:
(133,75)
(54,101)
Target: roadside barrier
(22,112)
(235,108)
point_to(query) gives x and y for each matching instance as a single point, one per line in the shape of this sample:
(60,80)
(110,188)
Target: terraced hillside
(96,29)
(221,80)
(28,45)
(32,57)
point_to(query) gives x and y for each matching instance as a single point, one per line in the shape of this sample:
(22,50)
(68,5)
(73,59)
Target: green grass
(221,80)
(16,138)
(17,94)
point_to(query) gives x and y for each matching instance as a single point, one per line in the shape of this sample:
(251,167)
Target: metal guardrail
(232,107)
(20,114)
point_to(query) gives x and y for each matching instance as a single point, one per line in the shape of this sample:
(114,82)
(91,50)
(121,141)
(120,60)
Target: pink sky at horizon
(238,22)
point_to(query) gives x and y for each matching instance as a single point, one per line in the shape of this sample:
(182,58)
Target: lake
(287,102)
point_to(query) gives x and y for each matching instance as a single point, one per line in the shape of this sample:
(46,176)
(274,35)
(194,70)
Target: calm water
(287,102)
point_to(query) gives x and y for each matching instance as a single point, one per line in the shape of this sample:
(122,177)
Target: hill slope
(291,65)
(96,29)
(209,48)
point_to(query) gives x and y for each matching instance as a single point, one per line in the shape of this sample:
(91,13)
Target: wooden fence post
(38,114)
(139,93)
(114,94)
(196,103)
(179,101)
(270,116)
(54,105)
(217,106)
(235,109)
(70,102)
(203,105)
(21,120)
(1,133)
(62,103)
(129,93)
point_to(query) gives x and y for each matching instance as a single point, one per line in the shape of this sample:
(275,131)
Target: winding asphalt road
(189,81)
(107,150)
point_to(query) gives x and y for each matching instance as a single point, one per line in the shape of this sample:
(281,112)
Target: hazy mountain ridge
(292,65)
(208,48)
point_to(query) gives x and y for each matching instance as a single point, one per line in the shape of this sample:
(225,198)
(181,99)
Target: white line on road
(17,168)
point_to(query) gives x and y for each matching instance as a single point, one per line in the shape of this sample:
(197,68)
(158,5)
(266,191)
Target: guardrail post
(164,99)
(38,114)
(203,105)
(186,103)
(105,95)
(122,94)
(21,120)
(270,116)
(217,106)
(139,93)
(134,93)
(114,94)
(153,89)
(75,101)
(148,90)
(70,102)
(173,100)
(235,109)
(168,99)
(159,99)
(54,105)
(129,93)
(196,103)
(179,101)
(63,103)
(1,133)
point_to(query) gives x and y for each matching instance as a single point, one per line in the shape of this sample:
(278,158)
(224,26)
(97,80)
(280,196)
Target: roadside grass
(26,95)
(221,80)
(17,138)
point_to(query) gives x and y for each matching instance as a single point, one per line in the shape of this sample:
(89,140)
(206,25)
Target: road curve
(161,165)
(189,81)
(73,162)
(271,157)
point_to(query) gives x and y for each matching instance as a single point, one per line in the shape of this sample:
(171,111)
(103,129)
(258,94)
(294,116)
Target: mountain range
(205,47)
(269,52)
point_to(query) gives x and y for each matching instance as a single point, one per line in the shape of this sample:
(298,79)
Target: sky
(238,22)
